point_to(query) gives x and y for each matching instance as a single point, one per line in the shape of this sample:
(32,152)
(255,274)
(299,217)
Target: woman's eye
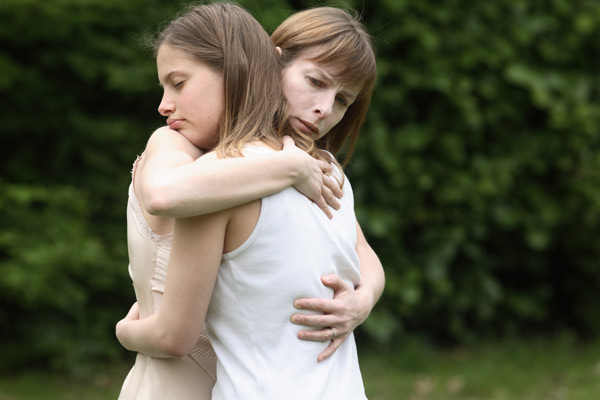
(178,84)
(342,101)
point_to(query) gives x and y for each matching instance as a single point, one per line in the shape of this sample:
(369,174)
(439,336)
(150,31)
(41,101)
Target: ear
(278,50)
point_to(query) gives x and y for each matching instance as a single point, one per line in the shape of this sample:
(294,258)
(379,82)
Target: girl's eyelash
(315,81)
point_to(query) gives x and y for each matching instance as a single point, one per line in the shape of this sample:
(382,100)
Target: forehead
(314,58)
(307,62)
(169,57)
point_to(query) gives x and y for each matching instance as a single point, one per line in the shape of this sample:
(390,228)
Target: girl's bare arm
(204,186)
(193,268)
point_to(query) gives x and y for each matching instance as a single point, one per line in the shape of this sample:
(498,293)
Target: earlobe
(278,50)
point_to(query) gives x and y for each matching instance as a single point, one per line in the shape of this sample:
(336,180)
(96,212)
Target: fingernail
(297,304)
(327,278)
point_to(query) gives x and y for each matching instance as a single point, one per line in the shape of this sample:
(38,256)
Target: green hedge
(478,172)
(79,98)
(477,176)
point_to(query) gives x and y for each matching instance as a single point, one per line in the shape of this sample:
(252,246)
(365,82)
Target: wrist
(367,299)
(296,164)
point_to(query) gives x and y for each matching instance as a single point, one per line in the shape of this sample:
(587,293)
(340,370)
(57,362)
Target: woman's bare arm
(349,307)
(204,186)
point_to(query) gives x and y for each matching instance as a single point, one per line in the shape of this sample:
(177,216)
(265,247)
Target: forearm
(147,336)
(206,186)
(350,305)
(194,262)
(372,275)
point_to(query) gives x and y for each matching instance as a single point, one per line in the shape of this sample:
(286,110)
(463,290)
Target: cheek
(294,100)
(215,110)
(337,116)
(332,121)
(185,100)
(294,106)
(296,94)
(209,108)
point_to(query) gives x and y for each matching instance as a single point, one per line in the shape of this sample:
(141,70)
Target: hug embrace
(249,267)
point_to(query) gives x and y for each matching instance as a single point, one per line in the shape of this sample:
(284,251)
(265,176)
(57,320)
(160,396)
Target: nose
(166,106)
(324,105)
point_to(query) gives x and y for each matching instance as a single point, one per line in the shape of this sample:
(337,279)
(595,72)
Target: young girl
(199,243)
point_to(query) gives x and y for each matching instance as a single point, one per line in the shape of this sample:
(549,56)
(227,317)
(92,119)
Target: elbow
(157,200)
(177,351)
(176,346)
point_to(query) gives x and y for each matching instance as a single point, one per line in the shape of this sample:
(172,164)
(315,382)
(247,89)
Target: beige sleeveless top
(190,377)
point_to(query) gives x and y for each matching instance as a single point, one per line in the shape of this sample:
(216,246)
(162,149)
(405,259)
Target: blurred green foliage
(477,176)
(478,173)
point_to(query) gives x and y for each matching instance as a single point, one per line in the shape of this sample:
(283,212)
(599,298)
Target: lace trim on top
(139,216)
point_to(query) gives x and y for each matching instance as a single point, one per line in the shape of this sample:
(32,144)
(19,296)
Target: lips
(174,123)
(307,127)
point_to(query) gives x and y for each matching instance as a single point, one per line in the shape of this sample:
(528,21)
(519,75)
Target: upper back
(291,245)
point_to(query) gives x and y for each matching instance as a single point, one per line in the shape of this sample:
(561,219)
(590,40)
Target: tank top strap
(134,167)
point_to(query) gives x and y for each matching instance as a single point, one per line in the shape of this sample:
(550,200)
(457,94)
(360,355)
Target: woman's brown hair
(342,43)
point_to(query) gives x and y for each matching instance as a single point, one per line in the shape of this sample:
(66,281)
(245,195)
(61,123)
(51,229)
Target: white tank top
(248,321)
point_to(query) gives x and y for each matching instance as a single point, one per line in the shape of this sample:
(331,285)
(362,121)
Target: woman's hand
(342,314)
(314,182)
(132,315)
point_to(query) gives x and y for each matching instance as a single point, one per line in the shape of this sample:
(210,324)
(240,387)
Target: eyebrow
(351,97)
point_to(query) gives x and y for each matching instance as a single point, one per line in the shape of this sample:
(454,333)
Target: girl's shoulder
(165,139)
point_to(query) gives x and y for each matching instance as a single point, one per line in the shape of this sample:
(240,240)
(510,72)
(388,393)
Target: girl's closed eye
(178,84)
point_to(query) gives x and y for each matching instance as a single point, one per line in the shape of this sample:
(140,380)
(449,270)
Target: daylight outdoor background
(476,177)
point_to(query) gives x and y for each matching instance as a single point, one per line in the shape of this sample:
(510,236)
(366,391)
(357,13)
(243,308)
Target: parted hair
(342,43)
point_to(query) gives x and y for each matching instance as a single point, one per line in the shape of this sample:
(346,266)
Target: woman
(234,225)
(342,44)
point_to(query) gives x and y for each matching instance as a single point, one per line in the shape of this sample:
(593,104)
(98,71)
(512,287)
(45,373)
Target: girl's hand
(132,315)
(314,182)
(342,315)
